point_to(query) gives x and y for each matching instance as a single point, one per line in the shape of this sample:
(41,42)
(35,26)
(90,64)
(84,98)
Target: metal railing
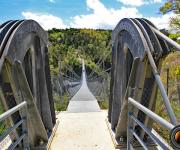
(23,134)
(133,119)
(174,130)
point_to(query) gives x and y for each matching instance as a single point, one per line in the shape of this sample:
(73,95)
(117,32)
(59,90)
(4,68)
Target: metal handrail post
(151,114)
(25,130)
(162,89)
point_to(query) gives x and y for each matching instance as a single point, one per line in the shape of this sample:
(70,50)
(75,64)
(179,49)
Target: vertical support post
(26,145)
(60,84)
(167,82)
(121,128)
(33,113)
(110,101)
(178,88)
(129,122)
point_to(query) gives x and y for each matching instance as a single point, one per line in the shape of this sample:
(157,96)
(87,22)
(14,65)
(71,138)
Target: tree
(72,44)
(173,6)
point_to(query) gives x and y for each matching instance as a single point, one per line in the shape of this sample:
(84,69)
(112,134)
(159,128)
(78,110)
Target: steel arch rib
(133,38)
(26,42)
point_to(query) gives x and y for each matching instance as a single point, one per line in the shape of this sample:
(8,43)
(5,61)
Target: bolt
(121,139)
(41,142)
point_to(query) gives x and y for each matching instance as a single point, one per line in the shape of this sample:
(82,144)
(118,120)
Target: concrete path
(83,100)
(82,131)
(83,125)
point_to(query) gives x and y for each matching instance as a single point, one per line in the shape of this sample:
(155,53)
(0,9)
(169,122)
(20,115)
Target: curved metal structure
(26,92)
(136,60)
(25,76)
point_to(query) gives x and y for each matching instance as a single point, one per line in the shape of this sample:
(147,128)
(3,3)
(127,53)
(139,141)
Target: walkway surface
(82,131)
(83,125)
(83,100)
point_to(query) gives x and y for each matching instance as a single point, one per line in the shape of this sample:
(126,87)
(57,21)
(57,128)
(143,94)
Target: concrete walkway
(82,131)
(83,100)
(83,125)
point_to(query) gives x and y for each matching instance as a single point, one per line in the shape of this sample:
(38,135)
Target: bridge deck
(83,100)
(85,130)
(82,131)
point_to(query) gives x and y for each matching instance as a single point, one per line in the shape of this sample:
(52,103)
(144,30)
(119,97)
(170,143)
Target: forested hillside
(67,46)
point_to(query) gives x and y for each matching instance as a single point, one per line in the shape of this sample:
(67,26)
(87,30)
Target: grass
(161,111)
(103,101)
(172,61)
(103,104)
(61,102)
(2,124)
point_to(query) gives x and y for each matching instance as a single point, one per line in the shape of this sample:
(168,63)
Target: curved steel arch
(25,74)
(136,51)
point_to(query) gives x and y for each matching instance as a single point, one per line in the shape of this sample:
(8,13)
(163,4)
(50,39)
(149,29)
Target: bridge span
(82,120)
(83,100)
(26,97)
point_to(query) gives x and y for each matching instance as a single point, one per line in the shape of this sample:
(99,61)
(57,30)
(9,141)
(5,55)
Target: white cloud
(132,2)
(138,2)
(52,1)
(102,17)
(157,1)
(47,21)
(163,21)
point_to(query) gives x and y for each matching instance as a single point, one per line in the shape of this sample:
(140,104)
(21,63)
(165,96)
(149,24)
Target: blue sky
(82,13)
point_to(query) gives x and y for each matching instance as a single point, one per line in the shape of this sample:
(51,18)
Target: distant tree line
(67,46)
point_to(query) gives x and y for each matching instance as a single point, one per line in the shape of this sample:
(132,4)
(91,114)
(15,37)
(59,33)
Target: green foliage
(172,61)
(177,72)
(69,45)
(175,37)
(103,104)
(2,124)
(175,23)
(61,102)
(168,6)
(173,6)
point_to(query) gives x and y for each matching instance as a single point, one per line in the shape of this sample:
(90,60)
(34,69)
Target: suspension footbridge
(26,92)
(83,100)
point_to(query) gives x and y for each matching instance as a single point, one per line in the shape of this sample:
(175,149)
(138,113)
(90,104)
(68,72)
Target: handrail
(151,114)
(151,135)
(8,131)
(12,111)
(161,88)
(139,139)
(13,146)
(7,114)
(164,37)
